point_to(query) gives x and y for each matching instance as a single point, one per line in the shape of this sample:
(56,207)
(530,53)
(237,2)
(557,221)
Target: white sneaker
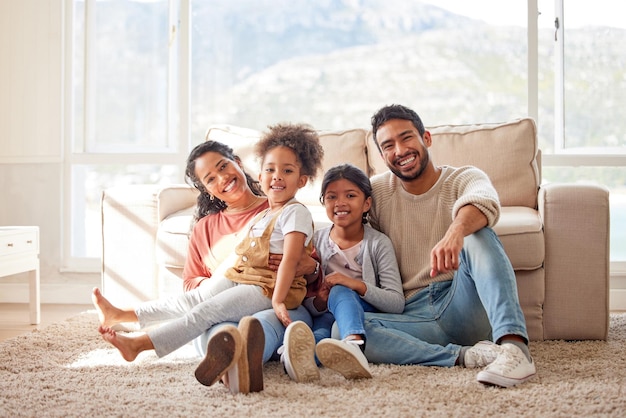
(510,368)
(481,354)
(298,353)
(344,357)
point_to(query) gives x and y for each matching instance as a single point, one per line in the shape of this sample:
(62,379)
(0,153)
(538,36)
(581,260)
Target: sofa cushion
(339,147)
(521,231)
(514,173)
(241,140)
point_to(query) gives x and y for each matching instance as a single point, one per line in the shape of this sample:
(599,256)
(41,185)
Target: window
(582,92)
(125,116)
(151,75)
(334,63)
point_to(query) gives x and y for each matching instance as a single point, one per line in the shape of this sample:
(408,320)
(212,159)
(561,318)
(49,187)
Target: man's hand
(445,256)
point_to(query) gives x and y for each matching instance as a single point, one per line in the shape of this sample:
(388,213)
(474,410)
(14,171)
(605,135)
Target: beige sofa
(556,235)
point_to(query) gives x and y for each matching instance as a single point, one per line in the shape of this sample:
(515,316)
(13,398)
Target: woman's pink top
(212,240)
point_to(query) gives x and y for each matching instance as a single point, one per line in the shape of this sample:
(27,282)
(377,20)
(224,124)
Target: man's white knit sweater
(416,223)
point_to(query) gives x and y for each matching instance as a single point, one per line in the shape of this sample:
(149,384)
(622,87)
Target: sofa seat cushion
(521,231)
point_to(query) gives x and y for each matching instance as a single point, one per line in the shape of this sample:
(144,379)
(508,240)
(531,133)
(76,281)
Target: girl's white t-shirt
(294,218)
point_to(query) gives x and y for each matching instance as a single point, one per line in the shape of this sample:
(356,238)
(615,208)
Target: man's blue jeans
(479,303)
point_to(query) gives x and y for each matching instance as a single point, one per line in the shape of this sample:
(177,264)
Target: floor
(15,320)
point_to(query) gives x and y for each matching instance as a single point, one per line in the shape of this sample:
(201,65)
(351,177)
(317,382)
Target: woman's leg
(229,305)
(273,330)
(129,347)
(165,309)
(158,310)
(109,314)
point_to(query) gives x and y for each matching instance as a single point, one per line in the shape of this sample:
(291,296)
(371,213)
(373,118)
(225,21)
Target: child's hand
(337,278)
(282,313)
(334,279)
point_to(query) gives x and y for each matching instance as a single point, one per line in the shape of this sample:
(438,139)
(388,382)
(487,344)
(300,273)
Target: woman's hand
(306,264)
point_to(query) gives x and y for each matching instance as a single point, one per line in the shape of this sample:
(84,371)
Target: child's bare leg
(107,313)
(129,347)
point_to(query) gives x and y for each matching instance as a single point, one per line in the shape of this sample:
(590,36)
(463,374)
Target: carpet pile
(66,370)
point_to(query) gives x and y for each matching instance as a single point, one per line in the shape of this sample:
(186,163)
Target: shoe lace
(508,360)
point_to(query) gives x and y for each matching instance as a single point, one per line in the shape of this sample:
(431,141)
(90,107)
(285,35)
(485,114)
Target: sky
(513,12)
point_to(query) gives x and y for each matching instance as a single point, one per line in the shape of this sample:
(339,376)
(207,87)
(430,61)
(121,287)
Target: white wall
(31,142)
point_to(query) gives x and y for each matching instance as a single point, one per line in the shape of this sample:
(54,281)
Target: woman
(229,198)
(234,199)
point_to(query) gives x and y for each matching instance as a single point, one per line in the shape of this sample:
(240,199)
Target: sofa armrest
(576,227)
(175,198)
(131,216)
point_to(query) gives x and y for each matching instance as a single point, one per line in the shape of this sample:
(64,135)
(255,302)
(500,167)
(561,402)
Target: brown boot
(247,375)
(223,350)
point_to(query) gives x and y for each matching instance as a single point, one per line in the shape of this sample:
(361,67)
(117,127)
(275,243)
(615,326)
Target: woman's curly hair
(301,138)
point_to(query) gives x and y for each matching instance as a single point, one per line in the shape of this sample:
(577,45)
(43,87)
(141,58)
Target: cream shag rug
(66,370)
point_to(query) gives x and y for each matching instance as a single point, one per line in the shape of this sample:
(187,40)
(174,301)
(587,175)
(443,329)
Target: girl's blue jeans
(346,309)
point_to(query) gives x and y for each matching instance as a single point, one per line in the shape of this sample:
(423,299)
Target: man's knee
(485,239)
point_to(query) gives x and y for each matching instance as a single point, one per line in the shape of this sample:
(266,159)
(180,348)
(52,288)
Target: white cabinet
(19,253)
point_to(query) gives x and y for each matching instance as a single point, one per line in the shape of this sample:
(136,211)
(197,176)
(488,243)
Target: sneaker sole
(223,350)
(251,360)
(487,378)
(301,348)
(333,356)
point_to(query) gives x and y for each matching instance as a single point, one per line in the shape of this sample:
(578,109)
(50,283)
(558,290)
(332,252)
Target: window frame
(563,157)
(75,150)
(179,112)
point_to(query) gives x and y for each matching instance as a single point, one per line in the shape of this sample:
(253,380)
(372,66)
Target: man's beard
(416,174)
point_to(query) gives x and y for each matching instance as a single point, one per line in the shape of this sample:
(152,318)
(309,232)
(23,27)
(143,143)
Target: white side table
(19,253)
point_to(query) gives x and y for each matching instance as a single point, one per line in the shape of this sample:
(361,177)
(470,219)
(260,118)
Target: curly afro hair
(301,138)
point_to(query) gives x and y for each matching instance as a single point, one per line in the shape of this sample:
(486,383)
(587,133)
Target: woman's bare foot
(129,347)
(107,313)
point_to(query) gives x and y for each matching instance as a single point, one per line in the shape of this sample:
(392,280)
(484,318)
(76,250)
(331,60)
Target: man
(458,283)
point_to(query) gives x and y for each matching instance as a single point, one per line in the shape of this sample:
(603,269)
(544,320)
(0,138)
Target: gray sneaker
(298,353)
(481,354)
(510,368)
(343,356)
